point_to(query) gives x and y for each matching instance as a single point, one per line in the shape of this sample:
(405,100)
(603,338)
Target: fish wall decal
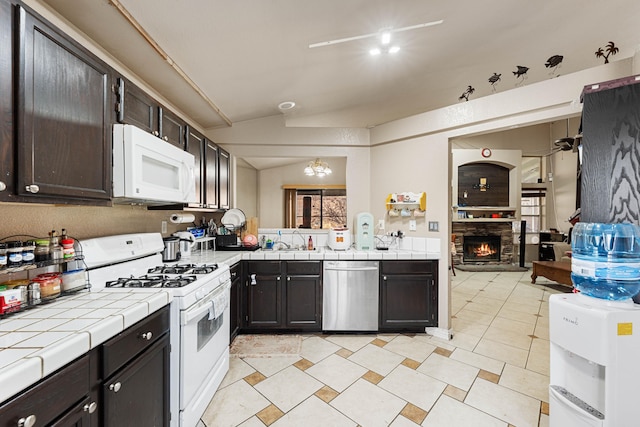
(554,62)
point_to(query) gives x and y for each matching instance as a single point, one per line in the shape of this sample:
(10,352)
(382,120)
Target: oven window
(207,329)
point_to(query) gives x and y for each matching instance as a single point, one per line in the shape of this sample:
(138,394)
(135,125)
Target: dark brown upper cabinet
(195,145)
(172,128)
(63,116)
(135,107)
(212,152)
(224,182)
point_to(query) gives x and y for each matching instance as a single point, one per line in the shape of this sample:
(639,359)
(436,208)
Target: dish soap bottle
(310,244)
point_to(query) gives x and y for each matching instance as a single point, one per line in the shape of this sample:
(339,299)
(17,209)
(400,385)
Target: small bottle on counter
(3,256)
(54,247)
(310,245)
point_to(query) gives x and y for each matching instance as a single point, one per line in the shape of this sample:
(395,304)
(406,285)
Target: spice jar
(28,255)
(49,284)
(42,250)
(14,254)
(33,293)
(3,256)
(67,248)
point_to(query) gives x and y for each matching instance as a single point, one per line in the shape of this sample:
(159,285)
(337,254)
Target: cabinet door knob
(253,280)
(166,138)
(3,186)
(288,278)
(29,421)
(147,336)
(115,387)
(33,188)
(90,407)
(384,277)
(155,133)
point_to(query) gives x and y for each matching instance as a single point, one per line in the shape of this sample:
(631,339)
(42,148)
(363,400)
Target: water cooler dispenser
(595,352)
(595,334)
(365,231)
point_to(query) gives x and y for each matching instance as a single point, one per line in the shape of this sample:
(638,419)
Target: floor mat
(265,345)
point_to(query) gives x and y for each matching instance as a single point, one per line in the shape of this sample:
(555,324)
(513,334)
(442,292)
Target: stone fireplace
(500,233)
(481,248)
(486,192)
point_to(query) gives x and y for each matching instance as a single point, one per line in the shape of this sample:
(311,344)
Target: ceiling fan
(567,143)
(383,33)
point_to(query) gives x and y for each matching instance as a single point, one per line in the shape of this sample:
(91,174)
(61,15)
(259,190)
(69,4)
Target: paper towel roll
(182,218)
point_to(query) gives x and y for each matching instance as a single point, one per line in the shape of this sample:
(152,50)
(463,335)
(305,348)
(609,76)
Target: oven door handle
(196,311)
(203,306)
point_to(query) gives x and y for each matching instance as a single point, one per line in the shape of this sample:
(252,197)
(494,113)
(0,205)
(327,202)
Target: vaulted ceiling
(245,57)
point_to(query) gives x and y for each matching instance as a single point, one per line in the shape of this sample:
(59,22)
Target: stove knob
(199,294)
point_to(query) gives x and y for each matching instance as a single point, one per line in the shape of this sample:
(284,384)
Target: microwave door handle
(190,178)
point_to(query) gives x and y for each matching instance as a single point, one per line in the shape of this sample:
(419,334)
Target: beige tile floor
(494,372)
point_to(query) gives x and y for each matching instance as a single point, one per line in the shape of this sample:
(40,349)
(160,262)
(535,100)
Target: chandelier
(317,168)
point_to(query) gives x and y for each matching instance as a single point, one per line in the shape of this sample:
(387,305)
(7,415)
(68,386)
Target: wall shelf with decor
(406,204)
(484,214)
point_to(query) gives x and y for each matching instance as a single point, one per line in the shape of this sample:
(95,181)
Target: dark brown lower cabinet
(61,399)
(124,382)
(135,366)
(282,295)
(263,290)
(408,295)
(304,295)
(138,395)
(235,311)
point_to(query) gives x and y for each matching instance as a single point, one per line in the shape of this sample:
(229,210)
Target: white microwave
(148,170)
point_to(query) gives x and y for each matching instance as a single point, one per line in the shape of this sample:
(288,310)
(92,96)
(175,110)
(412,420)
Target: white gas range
(199,312)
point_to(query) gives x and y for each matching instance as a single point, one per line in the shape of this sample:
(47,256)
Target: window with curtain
(315,208)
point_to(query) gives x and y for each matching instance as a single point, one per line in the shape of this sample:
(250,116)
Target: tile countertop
(36,342)
(431,252)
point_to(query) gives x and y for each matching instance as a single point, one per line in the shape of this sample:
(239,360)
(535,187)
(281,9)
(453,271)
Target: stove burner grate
(204,269)
(178,282)
(145,281)
(152,281)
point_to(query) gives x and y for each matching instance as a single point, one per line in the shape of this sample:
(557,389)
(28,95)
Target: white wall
(430,133)
(246,189)
(271,194)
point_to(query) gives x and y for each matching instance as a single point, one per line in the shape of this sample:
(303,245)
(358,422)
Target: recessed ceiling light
(375,51)
(394,49)
(286,105)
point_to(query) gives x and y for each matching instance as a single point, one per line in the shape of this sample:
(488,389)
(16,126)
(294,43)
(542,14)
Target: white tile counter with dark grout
(36,342)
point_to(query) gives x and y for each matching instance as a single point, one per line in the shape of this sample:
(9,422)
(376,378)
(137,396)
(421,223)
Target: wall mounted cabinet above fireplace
(484,214)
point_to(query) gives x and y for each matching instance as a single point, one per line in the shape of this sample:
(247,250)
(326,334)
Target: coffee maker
(364,231)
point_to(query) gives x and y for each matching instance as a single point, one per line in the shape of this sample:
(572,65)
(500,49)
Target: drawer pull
(3,186)
(33,188)
(90,407)
(147,336)
(115,387)
(29,421)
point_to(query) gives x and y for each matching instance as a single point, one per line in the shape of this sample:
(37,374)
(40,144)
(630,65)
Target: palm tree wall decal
(610,49)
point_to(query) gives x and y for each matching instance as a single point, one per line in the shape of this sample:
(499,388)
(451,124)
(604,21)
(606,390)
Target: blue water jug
(606,260)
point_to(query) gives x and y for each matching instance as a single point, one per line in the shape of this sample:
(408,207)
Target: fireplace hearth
(481,249)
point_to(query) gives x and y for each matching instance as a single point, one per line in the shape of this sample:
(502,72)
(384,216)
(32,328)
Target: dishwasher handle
(351,268)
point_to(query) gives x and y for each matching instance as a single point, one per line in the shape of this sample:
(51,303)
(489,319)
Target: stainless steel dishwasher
(350,296)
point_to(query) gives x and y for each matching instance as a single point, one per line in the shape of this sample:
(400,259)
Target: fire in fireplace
(481,248)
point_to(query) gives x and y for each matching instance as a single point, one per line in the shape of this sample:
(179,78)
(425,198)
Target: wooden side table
(558,271)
